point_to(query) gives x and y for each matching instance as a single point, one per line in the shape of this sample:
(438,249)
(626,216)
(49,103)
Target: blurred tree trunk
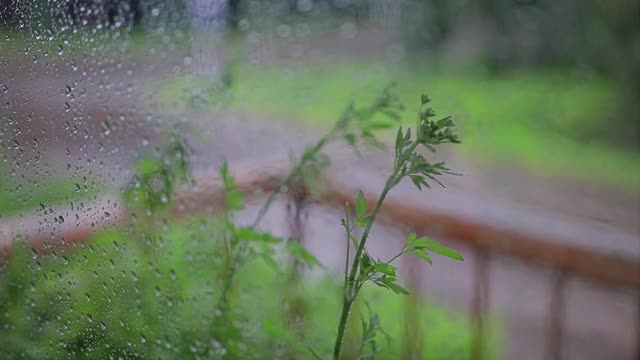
(209,21)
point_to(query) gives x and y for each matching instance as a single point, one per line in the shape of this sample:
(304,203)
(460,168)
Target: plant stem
(233,262)
(297,169)
(342,326)
(346,261)
(393,180)
(351,290)
(397,256)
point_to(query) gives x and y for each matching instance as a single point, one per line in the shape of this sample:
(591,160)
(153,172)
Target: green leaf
(410,239)
(398,289)
(364,221)
(148,166)
(315,356)
(422,255)
(437,248)
(429,113)
(300,252)
(224,171)
(390,283)
(365,263)
(399,140)
(354,241)
(270,261)
(386,269)
(249,234)
(418,181)
(234,200)
(361,205)
(407,136)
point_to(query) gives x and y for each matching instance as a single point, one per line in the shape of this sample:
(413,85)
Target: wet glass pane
(319,179)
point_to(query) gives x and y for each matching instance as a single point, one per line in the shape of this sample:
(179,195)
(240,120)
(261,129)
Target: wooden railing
(485,239)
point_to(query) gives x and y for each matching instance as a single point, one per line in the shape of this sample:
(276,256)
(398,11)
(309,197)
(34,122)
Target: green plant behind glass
(408,163)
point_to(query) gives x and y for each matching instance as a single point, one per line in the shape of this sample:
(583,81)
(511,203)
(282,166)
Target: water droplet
(106,128)
(155,12)
(143,339)
(60,219)
(35,59)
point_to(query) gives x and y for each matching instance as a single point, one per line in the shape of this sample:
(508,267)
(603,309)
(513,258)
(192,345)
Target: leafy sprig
(408,163)
(153,185)
(355,126)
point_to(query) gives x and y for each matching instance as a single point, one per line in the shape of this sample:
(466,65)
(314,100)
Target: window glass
(200,179)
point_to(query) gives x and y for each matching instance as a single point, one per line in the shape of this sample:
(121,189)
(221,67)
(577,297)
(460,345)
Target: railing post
(296,306)
(555,337)
(638,329)
(479,303)
(414,335)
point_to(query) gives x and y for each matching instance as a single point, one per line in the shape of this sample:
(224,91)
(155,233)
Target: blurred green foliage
(157,176)
(129,295)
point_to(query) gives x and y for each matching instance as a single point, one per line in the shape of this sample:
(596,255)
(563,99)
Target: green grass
(22,194)
(541,121)
(135,296)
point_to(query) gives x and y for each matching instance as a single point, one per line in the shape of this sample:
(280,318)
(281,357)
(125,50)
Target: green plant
(409,163)
(157,176)
(166,295)
(355,126)
(240,243)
